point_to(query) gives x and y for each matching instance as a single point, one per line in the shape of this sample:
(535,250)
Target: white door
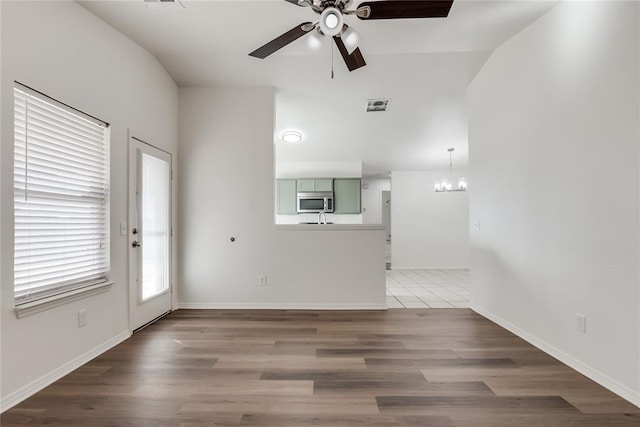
(149,233)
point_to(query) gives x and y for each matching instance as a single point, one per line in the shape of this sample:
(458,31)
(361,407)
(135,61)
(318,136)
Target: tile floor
(428,288)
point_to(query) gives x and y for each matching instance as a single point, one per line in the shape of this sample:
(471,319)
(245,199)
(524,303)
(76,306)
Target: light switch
(123,228)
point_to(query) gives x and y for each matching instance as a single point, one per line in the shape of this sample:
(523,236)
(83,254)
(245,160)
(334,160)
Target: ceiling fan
(331,22)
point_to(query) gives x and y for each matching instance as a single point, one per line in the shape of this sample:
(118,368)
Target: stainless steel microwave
(315,202)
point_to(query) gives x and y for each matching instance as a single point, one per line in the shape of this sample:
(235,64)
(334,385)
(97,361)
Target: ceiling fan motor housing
(333,3)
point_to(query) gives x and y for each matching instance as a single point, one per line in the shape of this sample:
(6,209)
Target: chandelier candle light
(447,184)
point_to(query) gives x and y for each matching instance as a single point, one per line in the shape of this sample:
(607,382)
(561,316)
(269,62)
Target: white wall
(554,156)
(428,229)
(227,190)
(372,199)
(344,169)
(64,51)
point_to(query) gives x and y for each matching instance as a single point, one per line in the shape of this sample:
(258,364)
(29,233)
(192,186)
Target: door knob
(135,244)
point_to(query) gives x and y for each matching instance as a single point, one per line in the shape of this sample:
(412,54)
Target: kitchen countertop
(304,227)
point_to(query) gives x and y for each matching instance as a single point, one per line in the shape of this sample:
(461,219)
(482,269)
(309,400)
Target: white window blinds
(61,197)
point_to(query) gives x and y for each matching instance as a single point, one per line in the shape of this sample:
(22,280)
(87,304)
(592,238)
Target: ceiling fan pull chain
(331,61)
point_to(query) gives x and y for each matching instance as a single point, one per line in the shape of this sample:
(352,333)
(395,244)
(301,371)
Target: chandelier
(447,184)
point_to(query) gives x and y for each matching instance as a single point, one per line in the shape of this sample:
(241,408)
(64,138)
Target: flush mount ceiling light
(291,136)
(447,184)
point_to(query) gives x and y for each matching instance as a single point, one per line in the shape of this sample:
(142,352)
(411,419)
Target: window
(61,198)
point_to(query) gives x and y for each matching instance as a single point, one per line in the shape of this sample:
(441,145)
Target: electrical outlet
(581,323)
(82,318)
(262,280)
(476,225)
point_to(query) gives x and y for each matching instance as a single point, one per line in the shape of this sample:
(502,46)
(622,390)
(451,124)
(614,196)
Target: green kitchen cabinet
(287,197)
(313,185)
(346,196)
(306,185)
(325,184)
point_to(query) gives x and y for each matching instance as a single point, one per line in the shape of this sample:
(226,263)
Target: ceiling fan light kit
(314,41)
(332,23)
(350,39)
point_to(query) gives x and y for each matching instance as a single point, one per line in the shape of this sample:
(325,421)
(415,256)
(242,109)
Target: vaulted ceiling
(422,65)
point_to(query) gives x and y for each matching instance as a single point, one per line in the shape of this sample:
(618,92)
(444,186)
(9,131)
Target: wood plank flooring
(433,367)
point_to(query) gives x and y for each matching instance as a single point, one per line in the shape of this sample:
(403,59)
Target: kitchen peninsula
(334,259)
(334,262)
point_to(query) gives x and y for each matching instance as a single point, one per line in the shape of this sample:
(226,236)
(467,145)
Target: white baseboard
(586,370)
(35,386)
(280,306)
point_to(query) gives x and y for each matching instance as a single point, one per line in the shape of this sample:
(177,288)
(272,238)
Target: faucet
(322,218)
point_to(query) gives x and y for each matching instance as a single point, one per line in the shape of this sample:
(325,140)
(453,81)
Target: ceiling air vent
(377,105)
(163,4)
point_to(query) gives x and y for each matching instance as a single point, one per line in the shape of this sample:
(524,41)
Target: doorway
(149,233)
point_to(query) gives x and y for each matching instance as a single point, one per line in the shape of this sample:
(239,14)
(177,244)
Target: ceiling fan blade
(281,41)
(403,9)
(353,61)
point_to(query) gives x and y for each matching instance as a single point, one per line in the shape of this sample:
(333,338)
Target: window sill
(38,306)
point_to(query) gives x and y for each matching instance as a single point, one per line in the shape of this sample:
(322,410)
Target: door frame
(132,304)
(385,206)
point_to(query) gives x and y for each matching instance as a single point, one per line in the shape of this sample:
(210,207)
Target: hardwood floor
(404,367)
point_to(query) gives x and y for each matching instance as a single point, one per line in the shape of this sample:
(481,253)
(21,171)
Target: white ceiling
(423,65)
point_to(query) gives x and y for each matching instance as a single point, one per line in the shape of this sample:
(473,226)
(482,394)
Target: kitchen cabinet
(313,185)
(286,199)
(306,185)
(325,184)
(346,196)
